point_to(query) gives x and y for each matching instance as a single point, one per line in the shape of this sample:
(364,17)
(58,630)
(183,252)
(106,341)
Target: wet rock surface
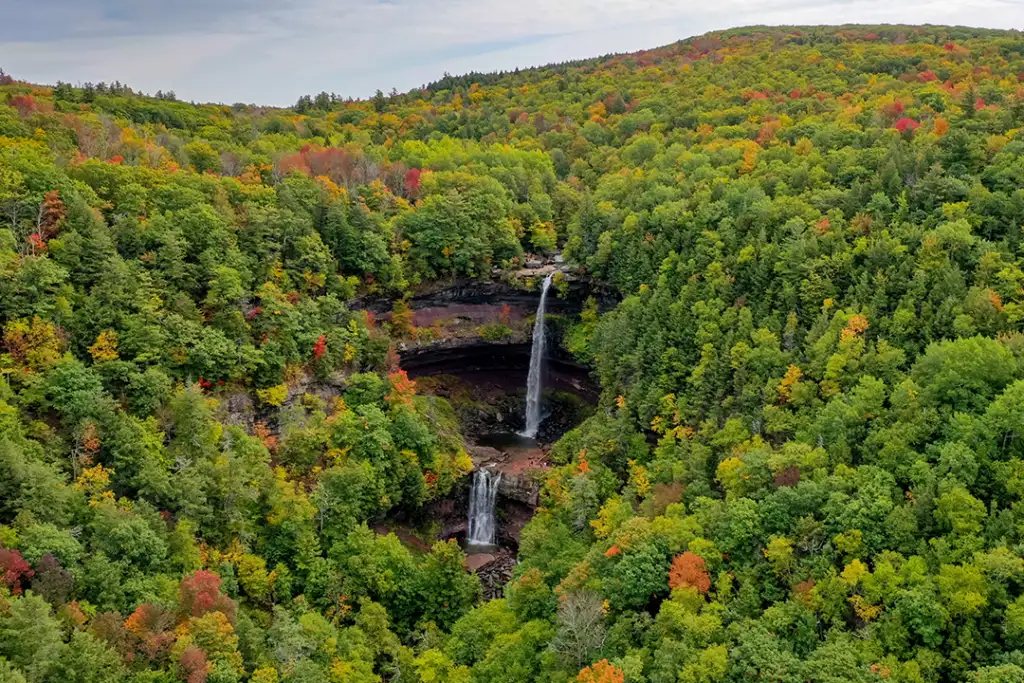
(490,402)
(523,488)
(512,517)
(521,471)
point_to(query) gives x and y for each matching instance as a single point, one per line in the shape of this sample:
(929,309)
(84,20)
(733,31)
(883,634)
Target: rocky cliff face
(522,487)
(238,408)
(522,471)
(516,288)
(502,360)
(518,495)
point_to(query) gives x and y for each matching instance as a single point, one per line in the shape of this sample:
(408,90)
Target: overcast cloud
(273,51)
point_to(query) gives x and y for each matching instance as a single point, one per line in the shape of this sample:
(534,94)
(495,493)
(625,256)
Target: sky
(273,51)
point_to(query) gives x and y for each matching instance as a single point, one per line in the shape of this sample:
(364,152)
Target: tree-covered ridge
(806,466)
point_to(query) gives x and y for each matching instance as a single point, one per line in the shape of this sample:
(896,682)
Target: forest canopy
(808,459)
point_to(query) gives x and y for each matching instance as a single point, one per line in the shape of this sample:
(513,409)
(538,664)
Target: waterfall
(533,381)
(482,497)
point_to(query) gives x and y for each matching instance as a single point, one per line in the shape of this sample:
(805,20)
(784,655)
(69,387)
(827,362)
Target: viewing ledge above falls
(502,288)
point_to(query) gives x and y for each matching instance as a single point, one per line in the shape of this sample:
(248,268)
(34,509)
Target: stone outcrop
(522,487)
(497,573)
(483,455)
(521,471)
(240,409)
(502,363)
(518,288)
(478,561)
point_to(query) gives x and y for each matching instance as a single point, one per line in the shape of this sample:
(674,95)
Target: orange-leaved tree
(402,389)
(601,672)
(689,569)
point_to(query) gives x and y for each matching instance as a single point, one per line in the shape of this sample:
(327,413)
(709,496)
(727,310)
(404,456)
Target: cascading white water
(533,381)
(482,497)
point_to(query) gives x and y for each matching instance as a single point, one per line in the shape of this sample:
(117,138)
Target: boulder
(495,575)
(478,561)
(484,454)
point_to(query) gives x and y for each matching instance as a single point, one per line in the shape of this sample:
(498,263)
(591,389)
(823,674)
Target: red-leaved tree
(52,581)
(194,665)
(200,593)
(25,104)
(14,569)
(150,628)
(52,212)
(320,347)
(906,124)
(412,183)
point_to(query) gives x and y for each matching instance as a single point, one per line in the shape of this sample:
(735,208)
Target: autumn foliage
(345,168)
(689,569)
(25,104)
(14,570)
(320,347)
(402,389)
(412,183)
(906,124)
(34,344)
(807,249)
(200,593)
(402,321)
(788,477)
(194,665)
(601,672)
(105,348)
(149,618)
(151,631)
(53,213)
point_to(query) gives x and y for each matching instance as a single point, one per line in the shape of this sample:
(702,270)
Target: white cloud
(258,51)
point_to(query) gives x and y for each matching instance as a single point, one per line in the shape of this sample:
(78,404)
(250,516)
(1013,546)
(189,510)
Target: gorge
(264,372)
(514,395)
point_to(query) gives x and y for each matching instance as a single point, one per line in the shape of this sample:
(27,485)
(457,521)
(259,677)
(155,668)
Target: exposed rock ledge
(516,288)
(521,471)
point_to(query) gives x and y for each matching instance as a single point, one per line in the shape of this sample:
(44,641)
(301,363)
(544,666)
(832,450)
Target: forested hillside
(807,463)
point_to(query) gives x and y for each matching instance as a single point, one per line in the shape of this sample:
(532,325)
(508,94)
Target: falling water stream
(482,498)
(533,381)
(484,492)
